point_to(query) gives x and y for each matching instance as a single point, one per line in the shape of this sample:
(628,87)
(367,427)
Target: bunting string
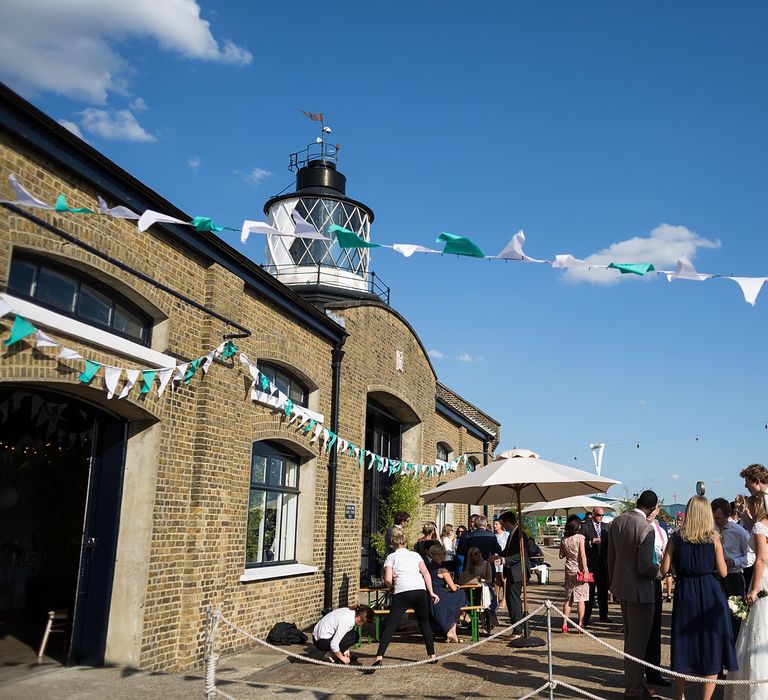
(158,379)
(452,244)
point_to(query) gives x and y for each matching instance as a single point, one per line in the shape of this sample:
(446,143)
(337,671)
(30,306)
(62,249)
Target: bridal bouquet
(738,606)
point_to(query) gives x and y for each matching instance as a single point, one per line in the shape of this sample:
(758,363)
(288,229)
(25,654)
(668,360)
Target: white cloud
(71,126)
(72,48)
(114,126)
(437,354)
(256,176)
(194,163)
(138,105)
(469,359)
(718,480)
(664,247)
(674,477)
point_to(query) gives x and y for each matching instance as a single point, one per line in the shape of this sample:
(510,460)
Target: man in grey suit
(633,567)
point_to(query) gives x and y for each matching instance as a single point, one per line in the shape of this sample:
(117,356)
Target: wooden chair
(57,622)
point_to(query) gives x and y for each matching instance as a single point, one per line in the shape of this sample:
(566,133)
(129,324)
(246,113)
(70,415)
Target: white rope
(537,691)
(577,690)
(352,667)
(642,662)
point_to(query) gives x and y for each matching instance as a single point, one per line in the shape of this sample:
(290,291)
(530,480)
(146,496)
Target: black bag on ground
(286,633)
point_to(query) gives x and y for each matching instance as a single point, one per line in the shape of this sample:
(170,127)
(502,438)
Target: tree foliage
(403,494)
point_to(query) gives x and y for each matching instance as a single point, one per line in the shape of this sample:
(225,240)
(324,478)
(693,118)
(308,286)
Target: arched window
(443,452)
(272,505)
(288,384)
(71,292)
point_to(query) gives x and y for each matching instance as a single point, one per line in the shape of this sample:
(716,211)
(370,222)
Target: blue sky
(589,125)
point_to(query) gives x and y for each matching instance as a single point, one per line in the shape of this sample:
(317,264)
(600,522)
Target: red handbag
(581,577)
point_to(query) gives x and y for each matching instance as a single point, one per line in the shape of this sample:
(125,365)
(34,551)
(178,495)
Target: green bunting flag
(349,239)
(229,349)
(91,368)
(459,245)
(288,407)
(191,369)
(204,224)
(263,382)
(147,379)
(633,268)
(63,207)
(21,329)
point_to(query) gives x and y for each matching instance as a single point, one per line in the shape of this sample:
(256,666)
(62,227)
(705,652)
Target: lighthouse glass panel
(322,213)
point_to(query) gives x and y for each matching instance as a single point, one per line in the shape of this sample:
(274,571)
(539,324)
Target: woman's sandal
(565,629)
(453,640)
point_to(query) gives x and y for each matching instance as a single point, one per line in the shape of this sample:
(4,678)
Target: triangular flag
(408,249)
(303,229)
(229,349)
(181,371)
(5,307)
(349,239)
(459,245)
(149,217)
(111,378)
(90,371)
(165,375)
(514,249)
(21,329)
(205,224)
(118,212)
(750,287)
(23,197)
(192,369)
(147,379)
(632,268)
(69,354)
(132,375)
(43,341)
(63,207)
(207,360)
(314,116)
(569,261)
(250,227)
(686,271)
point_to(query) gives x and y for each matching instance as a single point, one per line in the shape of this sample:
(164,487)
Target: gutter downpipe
(486,445)
(337,356)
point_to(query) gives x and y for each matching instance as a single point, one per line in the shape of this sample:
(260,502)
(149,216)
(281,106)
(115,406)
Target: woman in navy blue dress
(445,614)
(702,637)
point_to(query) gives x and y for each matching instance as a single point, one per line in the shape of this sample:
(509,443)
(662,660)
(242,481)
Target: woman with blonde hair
(427,539)
(446,539)
(752,645)
(701,634)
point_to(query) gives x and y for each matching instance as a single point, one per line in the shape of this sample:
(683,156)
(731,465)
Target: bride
(752,644)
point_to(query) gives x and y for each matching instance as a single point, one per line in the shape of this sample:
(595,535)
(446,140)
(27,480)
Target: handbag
(581,577)
(485,596)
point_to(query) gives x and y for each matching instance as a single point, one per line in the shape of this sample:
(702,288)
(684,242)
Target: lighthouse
(318,268)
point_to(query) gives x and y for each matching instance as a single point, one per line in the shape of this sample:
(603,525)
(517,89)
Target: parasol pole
(526,640)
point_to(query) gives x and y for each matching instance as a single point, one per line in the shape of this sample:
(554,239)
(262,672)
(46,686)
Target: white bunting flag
(23,197)
(208,361)
(514,249)
(43,341)
(131,376)
(750,287)
(5,307)
(181,370)
(111,378)
(149,217)
(118,212)
(67,354)
(250,227)
(686,271)
(304,229)
(407,249)
(316,434)
(569,261)
(164,375)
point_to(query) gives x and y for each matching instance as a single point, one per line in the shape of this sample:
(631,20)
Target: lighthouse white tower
(320,270)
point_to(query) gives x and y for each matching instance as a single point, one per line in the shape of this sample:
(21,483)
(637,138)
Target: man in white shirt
(737,552)
(335,632)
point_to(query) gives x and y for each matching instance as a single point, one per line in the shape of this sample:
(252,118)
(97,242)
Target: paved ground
(490,670)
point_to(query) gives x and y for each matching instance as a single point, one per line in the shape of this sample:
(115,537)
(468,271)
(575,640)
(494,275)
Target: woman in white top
(335,633)
(407,577)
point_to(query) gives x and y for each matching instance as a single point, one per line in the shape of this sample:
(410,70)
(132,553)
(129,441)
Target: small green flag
(147,379)
(264,382)
(288,407)
(21,329)
(91,368)
(191,369)
(349,239)
(459,245)
(229,349)
(205,224)
(62,206)
(633,268)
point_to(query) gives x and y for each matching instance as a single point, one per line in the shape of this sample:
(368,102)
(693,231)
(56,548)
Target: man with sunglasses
(596,540)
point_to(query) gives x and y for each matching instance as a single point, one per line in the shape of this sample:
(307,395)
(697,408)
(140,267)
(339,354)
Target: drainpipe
(486,445)
(330,532)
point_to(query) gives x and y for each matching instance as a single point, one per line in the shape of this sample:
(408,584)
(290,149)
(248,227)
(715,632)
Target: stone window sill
(269,572)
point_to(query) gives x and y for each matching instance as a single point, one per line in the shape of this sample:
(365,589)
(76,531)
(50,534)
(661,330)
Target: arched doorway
(61,470)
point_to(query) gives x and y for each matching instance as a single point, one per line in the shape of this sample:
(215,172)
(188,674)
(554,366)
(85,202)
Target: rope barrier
(660,669)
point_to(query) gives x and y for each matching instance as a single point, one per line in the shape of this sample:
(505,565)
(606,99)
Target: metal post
(210,661)
(550,675)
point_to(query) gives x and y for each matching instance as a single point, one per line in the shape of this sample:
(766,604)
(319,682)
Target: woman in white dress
(752,644)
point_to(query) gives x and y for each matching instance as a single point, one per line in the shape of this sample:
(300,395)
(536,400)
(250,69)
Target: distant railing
(330,276)
(315,151)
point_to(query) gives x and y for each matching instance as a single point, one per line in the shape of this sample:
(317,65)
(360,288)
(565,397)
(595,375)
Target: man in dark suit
(513,570)
(481,537)
(632,568)
(596,540)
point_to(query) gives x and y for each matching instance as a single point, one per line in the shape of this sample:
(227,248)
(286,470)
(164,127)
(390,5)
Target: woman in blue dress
(702,637)
(445,614)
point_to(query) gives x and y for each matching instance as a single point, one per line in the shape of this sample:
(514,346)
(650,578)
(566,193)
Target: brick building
(135,514)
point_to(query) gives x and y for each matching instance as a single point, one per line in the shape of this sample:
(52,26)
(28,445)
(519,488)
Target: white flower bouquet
(738,607)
